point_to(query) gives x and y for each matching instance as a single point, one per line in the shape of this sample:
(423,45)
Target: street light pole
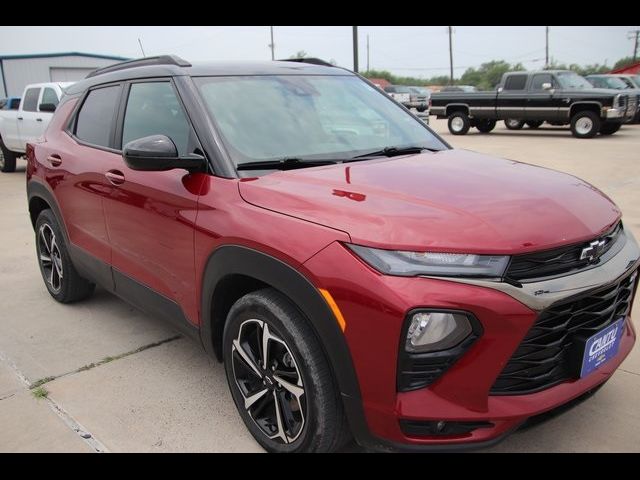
(272,45)
(451,55)
(546,57)
(355,49)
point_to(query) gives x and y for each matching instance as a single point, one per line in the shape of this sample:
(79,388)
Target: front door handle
(38,119)
(116,177)
(54,159)
(20,118)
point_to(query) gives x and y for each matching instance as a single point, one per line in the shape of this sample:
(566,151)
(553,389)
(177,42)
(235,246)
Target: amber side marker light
(334,308)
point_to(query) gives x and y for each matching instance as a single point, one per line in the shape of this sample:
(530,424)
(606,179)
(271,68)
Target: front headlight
(411,264)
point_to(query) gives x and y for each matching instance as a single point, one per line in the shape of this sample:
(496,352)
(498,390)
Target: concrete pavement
(151,391)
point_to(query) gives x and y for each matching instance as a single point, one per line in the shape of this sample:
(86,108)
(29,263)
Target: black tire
(324,426)
(7,159)
(585,124)
(609,128)
(485,126)
(534,124)
(70,286)
(459,123)
(513,124)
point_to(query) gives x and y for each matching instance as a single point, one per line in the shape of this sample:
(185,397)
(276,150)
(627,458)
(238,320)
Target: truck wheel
(7,159)
(62,280)
(585,124)
(609,128)
(459,123)
(513,124)
(279,376)
(534,124)
(485,126)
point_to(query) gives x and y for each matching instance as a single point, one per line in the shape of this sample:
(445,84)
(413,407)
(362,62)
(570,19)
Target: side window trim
(72,123)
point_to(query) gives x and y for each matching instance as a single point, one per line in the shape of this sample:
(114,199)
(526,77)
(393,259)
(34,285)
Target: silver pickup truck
(17,127)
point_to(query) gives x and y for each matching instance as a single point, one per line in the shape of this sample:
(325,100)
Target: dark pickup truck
(559,97)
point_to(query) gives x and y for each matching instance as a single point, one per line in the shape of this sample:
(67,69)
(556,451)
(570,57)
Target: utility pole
(141,49)
(451,55)
(546,57)
(368,66)
(272,46)
(355,49)
(632,34)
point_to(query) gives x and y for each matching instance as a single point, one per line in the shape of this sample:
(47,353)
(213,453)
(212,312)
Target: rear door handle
(116,177)
(20,118)
(38,119)
(54,159)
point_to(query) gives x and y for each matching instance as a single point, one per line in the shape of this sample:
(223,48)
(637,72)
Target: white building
(17,71)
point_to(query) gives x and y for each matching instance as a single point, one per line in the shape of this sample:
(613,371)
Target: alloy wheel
(50,257)
(584,125)
(457,124)
(270,381)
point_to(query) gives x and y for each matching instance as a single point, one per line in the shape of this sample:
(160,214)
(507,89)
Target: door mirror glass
(47,107)
(547,86)
(158,153)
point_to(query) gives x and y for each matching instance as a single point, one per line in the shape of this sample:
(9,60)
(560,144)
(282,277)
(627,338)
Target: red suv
(356,275)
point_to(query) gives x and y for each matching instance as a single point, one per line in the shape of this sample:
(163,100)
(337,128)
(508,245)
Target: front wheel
(7,159)
(609,128)
(459,123)
(585,124)
(513,124)
(279,377)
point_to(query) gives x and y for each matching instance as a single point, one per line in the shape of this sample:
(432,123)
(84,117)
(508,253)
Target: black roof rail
(311,60)
(141,62)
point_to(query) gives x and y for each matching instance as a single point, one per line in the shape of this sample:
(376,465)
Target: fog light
(433,331)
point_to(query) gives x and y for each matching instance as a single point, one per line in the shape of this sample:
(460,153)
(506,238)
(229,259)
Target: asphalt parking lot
(118,380)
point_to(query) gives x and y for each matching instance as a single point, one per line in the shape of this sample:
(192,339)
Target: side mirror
(47,107)
(158,153)
(547,86)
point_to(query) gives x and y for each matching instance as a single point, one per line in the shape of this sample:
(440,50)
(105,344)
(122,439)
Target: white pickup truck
(17,127)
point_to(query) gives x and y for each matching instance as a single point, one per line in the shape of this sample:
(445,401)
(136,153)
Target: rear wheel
(459,123)
(585,124)
(609,128)
(279,377)
(7,159)
(485,126)
(513,124)
(60,276)
(534,124)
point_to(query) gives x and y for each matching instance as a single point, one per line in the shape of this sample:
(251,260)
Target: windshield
(572,80)
(272,117)
(615,83)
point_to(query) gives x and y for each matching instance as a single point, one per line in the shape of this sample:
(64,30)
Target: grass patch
(42,381)
(40,392)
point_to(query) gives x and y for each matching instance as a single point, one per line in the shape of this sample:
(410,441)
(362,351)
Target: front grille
(558,261)
(544,358)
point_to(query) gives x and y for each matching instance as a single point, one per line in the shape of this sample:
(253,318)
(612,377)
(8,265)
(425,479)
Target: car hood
(454,200)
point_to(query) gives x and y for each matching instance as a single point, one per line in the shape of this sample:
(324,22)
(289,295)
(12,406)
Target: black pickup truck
(559,97)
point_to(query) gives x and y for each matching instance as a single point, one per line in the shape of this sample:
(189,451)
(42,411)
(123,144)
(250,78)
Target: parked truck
(560,97)
(28,122)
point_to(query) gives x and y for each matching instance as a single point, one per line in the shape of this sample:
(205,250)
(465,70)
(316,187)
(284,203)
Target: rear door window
(515,82)
(30,103)
(94,122)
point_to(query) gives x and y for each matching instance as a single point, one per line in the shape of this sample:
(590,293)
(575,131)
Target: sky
(409,50)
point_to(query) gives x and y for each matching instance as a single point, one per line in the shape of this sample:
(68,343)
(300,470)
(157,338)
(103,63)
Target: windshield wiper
(283,164)
(390,152)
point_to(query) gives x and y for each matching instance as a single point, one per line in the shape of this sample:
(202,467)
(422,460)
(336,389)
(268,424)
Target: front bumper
(375,307)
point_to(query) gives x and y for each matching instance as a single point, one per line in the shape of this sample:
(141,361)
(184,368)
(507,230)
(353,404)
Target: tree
(624,62)
(489,74)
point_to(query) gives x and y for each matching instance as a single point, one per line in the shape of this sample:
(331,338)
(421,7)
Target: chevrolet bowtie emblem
(593,250)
